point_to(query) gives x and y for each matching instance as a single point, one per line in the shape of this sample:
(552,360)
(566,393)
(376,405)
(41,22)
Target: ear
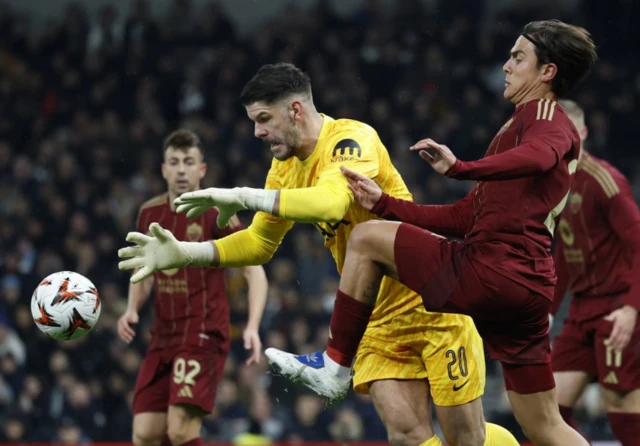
(296,110)
(203,170)
(164,170)
(549,71)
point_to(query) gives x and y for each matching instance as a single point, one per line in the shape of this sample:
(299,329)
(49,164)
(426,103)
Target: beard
(291,142)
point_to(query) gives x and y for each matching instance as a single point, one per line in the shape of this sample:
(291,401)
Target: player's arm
(447,220)
(543,144)
(624,217)
(139,293)
(258,285)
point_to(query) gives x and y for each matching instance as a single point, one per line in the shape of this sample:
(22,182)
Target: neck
(310,134)
(536,93)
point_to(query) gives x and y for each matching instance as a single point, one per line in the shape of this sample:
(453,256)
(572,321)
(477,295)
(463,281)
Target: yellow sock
(433,441)
(499,436)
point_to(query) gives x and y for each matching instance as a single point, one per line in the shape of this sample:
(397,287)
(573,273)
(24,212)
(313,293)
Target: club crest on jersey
(194,232)
(346,150)
(575,202)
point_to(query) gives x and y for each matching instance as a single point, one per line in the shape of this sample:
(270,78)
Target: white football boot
(310,370)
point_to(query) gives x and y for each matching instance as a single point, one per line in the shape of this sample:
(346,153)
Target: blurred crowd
(84,105)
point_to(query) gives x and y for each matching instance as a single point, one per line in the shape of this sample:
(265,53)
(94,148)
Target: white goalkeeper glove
(228,202)
(161,251)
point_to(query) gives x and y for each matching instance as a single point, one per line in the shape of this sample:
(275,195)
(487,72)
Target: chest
(580,216)
(508,137)
(189,230)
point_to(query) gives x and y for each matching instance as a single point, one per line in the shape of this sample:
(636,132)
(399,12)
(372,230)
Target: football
(65,305)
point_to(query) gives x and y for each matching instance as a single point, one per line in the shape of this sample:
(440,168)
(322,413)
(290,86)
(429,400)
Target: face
(278,125)
(523,76)
(183,170)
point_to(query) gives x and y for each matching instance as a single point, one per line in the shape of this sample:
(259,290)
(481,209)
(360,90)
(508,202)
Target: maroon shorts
(185,375)
(580,347)
(512,320)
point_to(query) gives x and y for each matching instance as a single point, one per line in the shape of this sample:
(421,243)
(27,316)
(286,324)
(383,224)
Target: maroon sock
(625,427)
(567,416)
(348,323)
(166,441)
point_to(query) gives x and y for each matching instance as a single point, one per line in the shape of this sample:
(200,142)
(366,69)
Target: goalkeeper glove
(161,251)
(228,202)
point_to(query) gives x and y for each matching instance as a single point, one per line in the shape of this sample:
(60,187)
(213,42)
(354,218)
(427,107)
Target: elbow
(336,207)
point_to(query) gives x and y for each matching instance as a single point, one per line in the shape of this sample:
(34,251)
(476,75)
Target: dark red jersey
(523,184)
(190,303)
(597,253)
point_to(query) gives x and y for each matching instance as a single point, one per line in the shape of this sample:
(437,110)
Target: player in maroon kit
(597,258)
(189,345)
(502,274)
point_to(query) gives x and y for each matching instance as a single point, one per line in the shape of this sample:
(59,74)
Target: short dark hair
(275,81)
(568,46)
(183,139)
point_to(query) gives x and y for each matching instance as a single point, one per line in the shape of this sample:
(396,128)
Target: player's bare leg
(403,407)
(184,424)
(539,417)
(463,424)
(624,414)
(569,388)
(149,428)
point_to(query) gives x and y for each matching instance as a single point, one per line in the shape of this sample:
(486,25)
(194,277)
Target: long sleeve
(544,140)
(254,245)
(525,160)
(327,202)
(562,273)
(624,217)
(447,220)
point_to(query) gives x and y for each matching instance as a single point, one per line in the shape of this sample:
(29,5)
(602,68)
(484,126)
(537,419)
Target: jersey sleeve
(623,215)
(257,243)
(544,141)
(447,220)
(330,199)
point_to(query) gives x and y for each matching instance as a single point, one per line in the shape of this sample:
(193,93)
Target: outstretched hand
(365,190)
(155,252)
(442,158)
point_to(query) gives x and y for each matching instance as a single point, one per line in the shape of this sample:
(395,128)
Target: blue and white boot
(315,370)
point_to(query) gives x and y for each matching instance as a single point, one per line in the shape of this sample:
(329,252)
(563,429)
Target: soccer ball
(66,305)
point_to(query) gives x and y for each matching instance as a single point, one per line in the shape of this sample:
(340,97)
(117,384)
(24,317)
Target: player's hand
(624,322)
(252,342)
(160,251)
(125,331)
(366,192)
(442,158)
(228,202)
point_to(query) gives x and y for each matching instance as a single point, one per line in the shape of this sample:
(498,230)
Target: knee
(362,235)
(182,428)
(406,437)
(147,437)
(467,436)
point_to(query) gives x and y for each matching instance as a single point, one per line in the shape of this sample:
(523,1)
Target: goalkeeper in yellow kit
(406,354)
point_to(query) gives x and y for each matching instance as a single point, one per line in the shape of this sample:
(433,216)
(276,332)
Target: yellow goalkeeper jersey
(353,144)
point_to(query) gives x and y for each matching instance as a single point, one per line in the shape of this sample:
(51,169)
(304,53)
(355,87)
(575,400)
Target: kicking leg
(370,256)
